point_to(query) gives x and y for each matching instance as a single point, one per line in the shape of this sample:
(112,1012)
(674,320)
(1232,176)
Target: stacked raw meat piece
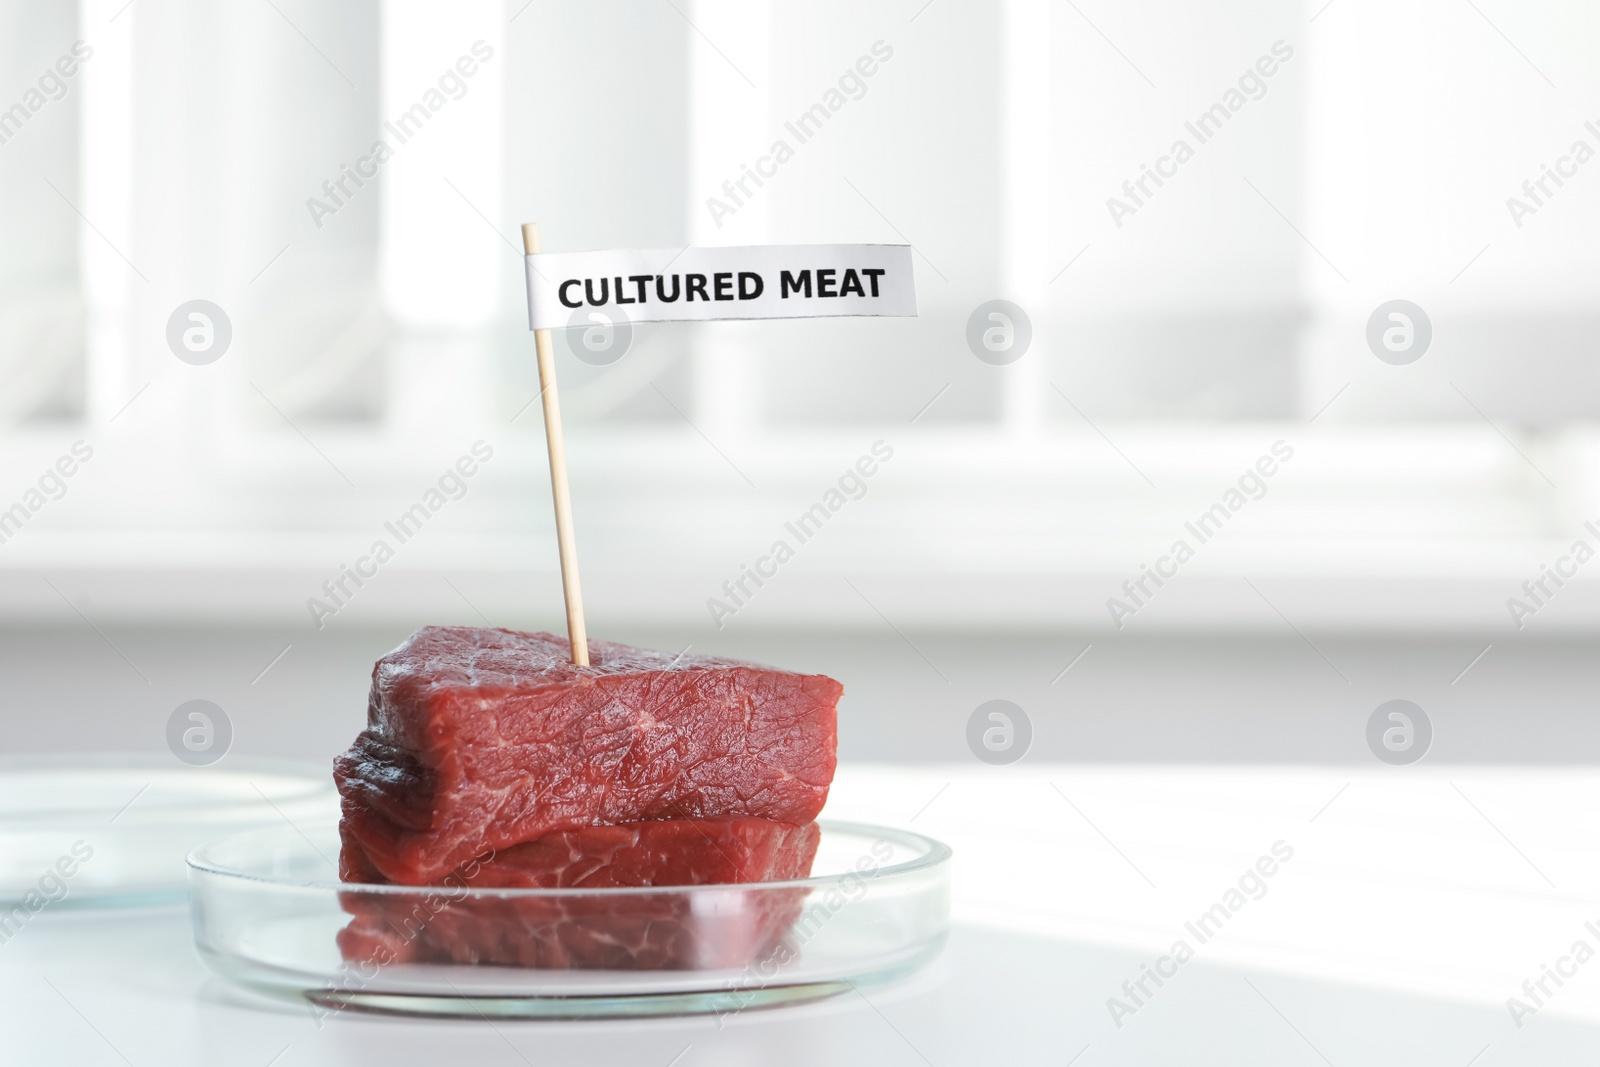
(490,761)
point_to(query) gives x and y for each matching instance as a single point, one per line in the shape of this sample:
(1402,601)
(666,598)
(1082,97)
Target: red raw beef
(614,931)
(664,852)
(481,739)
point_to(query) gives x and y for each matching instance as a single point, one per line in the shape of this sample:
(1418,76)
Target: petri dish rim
(934,853)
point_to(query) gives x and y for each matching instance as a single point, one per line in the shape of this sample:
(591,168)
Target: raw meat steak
(481,739)
(615,931)
(664,852)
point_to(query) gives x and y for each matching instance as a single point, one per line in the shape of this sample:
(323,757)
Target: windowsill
(1431,526)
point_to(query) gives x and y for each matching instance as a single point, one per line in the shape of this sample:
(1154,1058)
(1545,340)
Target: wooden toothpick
(576,634)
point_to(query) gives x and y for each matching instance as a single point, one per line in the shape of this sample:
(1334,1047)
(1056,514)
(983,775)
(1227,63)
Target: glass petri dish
(115,829)
(270,916)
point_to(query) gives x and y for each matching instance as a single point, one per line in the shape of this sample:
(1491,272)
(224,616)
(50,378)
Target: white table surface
(1417,900)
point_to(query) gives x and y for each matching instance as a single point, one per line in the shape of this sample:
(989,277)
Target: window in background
(41,299)
(1330,167)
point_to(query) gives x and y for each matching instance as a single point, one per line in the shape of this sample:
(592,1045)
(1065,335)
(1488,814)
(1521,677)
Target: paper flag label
(697,284)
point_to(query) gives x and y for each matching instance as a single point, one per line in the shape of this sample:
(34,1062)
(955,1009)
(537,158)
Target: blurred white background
(1366,154)
(1355,152)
